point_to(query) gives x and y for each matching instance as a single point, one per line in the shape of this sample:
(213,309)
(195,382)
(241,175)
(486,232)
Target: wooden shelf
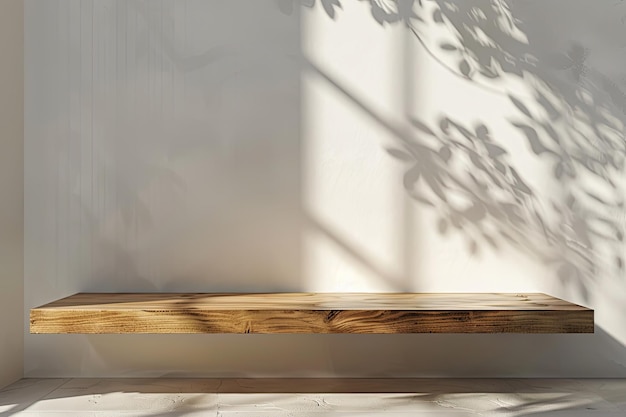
(369,313)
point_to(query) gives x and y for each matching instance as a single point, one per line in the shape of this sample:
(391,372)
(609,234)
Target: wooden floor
(314,398)
(311,313)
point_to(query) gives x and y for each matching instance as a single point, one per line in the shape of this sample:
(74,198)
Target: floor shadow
(516,397)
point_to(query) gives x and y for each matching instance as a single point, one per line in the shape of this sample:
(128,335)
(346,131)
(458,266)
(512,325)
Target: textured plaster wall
(11,190)
(327,146)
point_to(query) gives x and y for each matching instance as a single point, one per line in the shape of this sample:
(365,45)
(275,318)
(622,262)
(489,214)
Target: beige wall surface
(239,145)
(11,190)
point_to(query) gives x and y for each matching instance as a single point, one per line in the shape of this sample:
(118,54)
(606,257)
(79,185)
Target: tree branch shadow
(571,117)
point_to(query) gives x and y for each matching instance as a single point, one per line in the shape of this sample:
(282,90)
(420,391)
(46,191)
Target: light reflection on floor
(314,397)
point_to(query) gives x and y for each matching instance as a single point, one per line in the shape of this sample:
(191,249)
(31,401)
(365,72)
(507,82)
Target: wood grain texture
(369,313)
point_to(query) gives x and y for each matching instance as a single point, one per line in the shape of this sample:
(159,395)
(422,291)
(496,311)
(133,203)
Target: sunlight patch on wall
(352,194)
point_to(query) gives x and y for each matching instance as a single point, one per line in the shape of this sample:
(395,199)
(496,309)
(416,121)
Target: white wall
(11,190)
(306,146)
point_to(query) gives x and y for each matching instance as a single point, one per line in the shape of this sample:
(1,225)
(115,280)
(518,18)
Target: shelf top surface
(311,301)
